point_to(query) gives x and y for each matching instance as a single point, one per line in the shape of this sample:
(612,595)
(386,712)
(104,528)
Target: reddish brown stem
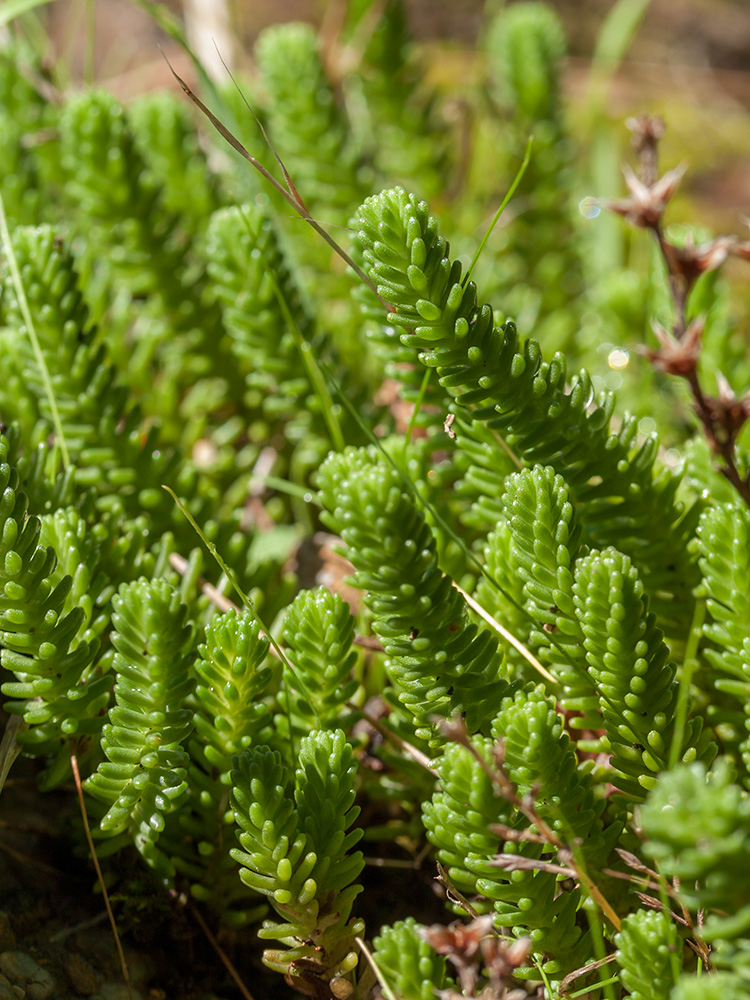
(720,444)
(713,419)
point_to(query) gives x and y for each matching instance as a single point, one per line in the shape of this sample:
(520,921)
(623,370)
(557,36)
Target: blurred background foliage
(357,95)
(686,60)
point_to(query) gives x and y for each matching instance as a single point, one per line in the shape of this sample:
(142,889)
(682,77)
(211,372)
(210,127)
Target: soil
(51,914)
(56,942)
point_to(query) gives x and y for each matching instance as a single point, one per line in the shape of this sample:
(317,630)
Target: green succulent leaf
(438,661)
(296,851)
(144,775)
(411,967)
(649,952)
(628,662)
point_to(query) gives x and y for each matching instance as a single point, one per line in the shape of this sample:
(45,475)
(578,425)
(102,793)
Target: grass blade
(501,209)
(23,304)
(14,8)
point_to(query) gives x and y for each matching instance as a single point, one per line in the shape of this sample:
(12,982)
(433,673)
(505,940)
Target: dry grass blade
(518,863)
(516,836)
(105,894)
(293,198)
(643,881)
(298,199)
(387,991)
(584,970)
(222,954)
(10,747)
(401,743)
(516,643)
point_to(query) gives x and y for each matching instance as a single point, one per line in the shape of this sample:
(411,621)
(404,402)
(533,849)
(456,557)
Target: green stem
(549,992)
(586,990)
(689,664)
(88,65)
(600,951)
(293,489)
(311,365)
(246,600)
(417,406)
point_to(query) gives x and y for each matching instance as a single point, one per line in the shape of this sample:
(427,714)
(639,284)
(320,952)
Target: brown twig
(721,418)
(444,879)
(368,642)
(457,731)
(389,734)
(221,601)
(584,970)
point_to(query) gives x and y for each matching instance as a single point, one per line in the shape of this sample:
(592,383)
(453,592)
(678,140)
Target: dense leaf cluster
(533,668)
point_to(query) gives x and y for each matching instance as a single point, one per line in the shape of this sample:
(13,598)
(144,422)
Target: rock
(9,992)
(7,937)
(22,970)
(80,973)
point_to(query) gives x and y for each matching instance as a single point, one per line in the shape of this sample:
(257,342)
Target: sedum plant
(418,615)
(304,114)
(230,715)
(50,674)
(144,774)
(408,963)
(649,954)
(317,676)
(296,850)
(517,656)
(525,50)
